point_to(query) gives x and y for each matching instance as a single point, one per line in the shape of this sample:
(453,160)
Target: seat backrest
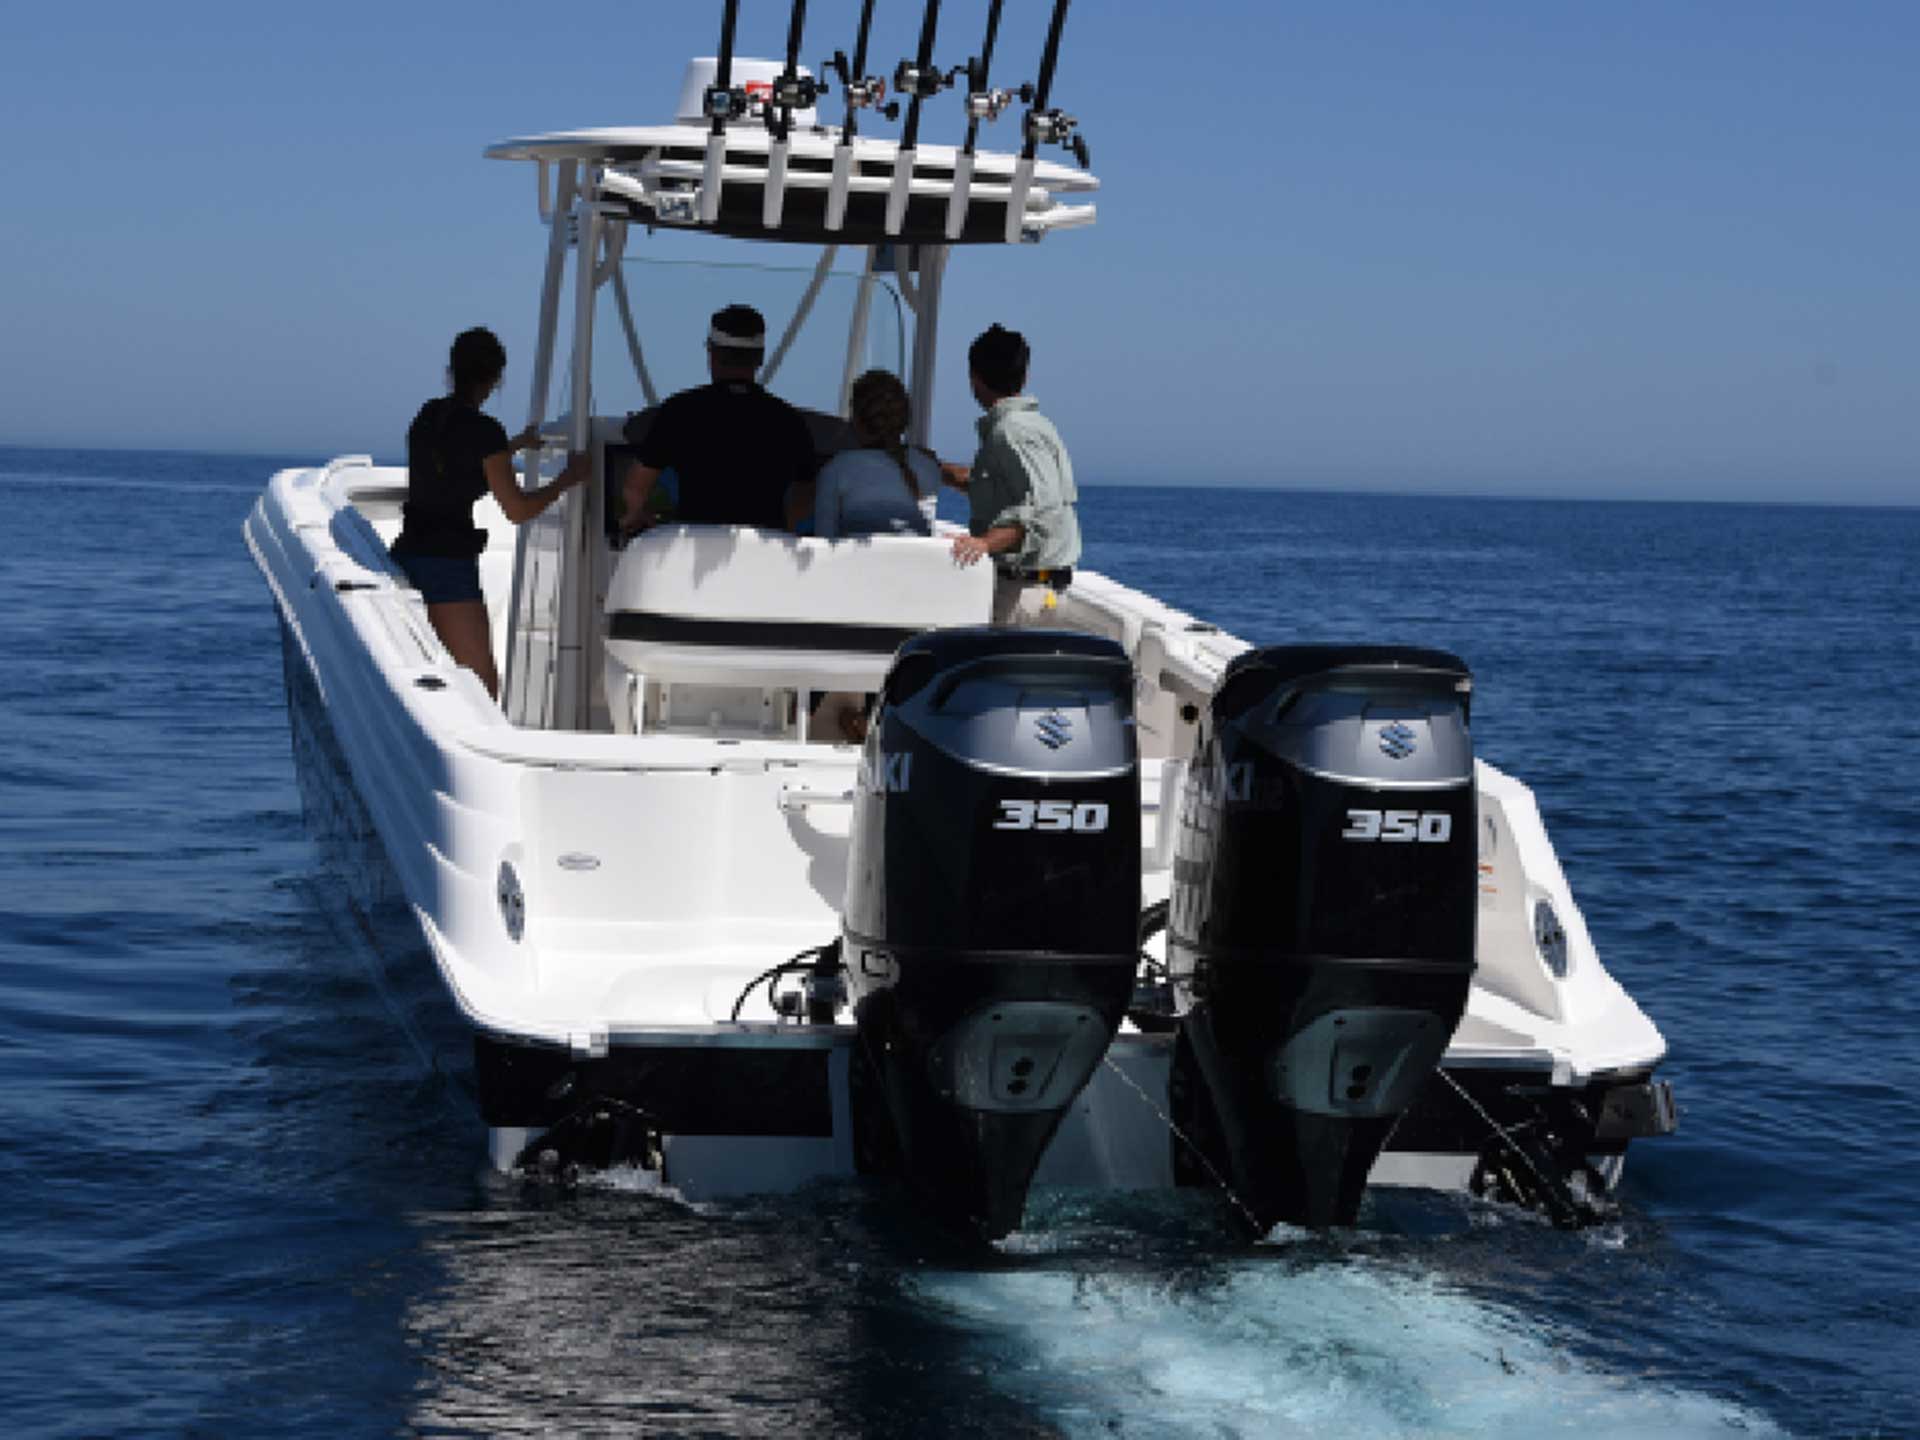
(729,605)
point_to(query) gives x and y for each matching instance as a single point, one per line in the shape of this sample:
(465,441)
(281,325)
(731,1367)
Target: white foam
(635,1180)
(1269,1348)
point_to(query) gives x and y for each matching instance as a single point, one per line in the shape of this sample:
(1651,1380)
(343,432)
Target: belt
(1058,578)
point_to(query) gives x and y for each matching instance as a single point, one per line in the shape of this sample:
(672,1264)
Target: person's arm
(1006,532)
(958,476)
(519,505)
(635,489)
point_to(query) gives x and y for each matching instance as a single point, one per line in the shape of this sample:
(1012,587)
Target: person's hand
(958,476)
(632,525)
(967,549)
(579,467)
(527,439)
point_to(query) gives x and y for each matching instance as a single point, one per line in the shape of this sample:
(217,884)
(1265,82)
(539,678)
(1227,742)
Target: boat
(1115,900)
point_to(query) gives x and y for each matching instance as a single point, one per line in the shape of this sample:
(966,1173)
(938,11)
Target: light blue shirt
(862,492)
(1022,476)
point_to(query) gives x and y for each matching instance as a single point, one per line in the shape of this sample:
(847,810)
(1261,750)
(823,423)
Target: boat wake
(637,1180)
(1255,1347)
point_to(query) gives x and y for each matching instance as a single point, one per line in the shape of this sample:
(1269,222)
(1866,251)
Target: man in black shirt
(736,449)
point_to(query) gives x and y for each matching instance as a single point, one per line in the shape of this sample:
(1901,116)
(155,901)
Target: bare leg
(463,629)
(1006,600)
(1017,605)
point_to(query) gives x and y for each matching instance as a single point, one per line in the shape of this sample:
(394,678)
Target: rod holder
(774,201)
(962,195)
(837,187)
(1017,199)
(902,189)
(711,179)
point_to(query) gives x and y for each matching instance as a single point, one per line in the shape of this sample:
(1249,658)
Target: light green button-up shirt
(1022,476)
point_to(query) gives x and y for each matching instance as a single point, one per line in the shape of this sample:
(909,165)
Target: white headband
(720,340)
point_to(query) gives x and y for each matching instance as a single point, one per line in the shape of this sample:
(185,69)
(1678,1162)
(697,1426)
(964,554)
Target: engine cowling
(993,895)
(1320,937)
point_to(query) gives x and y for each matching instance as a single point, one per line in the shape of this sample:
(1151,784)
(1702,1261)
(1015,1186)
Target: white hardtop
(624,144)
(764,177)
(616,144)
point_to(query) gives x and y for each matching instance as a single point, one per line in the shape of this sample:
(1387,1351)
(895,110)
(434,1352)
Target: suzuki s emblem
(1054,729)
(1397,740)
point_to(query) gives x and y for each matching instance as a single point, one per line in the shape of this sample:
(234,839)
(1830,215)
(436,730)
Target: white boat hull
(586,896)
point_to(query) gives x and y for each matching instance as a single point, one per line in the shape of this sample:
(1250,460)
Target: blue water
(234,1201)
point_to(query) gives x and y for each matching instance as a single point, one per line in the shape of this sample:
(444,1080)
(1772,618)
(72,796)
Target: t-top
(447,446)
(862,492)
(736,450)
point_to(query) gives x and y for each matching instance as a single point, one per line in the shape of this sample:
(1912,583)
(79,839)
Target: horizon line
(1395,488)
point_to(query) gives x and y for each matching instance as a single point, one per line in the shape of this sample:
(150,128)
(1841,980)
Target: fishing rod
(1054,127)
(791,91)
(918,81)
(723,103)
(982,104)
(861,90)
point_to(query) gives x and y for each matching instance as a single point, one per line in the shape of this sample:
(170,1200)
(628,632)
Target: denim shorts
(442,579)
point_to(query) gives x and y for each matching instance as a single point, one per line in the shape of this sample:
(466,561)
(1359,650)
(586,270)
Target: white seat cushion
(725,606)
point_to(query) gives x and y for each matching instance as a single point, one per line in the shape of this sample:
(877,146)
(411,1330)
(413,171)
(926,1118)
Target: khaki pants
(1019,602)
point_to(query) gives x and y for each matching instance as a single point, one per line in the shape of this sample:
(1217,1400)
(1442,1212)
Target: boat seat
(734,606)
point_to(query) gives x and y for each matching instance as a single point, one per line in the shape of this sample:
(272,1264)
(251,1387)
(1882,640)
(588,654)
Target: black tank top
(447,447)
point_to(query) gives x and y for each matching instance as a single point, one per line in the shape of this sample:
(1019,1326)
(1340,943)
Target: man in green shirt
(1019,488)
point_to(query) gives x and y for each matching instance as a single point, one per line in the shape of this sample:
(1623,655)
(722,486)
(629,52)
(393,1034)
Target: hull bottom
(1503,1133)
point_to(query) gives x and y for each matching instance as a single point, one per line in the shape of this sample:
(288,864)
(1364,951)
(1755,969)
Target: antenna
(1055,127)
(723,103)
(791,91)
(982,104)
(861,90)
(918,81)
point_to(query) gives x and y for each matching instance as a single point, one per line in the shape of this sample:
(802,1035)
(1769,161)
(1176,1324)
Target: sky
(1647,248)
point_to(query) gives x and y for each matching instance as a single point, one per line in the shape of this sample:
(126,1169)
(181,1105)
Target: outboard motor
(993,900)
(1320,939)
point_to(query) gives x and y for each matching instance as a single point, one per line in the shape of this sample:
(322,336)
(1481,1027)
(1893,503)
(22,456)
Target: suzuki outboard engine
(993,901)
(1320,939)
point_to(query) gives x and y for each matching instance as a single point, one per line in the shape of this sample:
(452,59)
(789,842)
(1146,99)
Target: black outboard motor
(993,900)
(1321,935)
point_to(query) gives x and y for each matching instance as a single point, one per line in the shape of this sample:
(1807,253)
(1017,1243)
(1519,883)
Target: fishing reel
(985,104)
(789,93)
(724,104)
(1056,127)
(794,92)
(863,93)
(918,84)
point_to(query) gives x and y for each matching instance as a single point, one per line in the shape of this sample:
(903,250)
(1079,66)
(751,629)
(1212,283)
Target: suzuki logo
(1398,740)
(891,772)
(1054,730)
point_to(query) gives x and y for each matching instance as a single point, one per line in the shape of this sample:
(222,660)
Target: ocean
(235,1201)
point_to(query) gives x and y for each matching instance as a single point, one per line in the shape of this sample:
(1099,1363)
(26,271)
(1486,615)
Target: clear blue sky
(1633,248)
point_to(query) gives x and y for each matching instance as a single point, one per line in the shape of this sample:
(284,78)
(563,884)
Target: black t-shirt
(446,446)
(736,449)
